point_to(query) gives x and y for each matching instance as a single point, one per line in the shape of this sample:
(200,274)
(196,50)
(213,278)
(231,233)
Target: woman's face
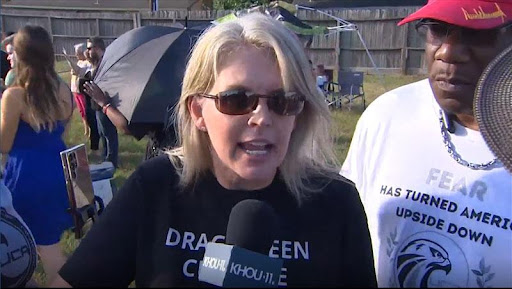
(246,149)
(11,55)
(80,54)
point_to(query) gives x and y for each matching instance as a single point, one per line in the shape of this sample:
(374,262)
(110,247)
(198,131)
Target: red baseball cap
(475,14)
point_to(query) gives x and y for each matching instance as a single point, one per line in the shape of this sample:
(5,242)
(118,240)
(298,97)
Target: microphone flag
(231,266)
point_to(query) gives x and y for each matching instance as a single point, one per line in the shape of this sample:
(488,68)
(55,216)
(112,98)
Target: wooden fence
(394,49)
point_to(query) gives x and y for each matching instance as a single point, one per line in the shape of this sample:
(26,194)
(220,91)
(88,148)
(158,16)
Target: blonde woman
(81,64)
(252,125)
(34,113)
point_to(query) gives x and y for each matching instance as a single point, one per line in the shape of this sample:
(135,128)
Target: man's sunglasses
(437,32)
(241,101)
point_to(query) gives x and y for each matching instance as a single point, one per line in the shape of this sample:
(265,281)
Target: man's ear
(196,112)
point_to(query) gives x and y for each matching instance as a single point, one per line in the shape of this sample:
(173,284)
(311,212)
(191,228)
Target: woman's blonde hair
(35,72)
(80,47)
(310,152)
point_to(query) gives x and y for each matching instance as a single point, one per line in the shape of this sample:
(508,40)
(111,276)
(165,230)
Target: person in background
(80,74)
(439,203)
(160,138)
(81,63)
(251,125)
(34,114)
(4,62)
(9,36)
(90,113)
(5,66)
(107,130)
(313,71)
(321,77)
(10,78)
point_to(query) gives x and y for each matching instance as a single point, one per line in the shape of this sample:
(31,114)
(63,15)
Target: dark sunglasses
(436,33)
(241,101)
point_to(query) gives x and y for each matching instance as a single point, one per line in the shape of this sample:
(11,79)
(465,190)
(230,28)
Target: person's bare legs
(53,258)
(87,129)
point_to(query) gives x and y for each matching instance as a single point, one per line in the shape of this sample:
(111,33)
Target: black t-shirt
(155,234)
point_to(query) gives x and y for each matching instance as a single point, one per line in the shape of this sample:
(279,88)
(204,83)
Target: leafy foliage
(237,4)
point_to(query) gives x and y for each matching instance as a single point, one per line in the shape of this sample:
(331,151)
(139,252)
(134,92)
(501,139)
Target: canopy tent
(285,12)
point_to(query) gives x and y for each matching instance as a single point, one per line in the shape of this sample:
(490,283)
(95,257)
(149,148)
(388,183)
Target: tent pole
(371,59)
(338,53)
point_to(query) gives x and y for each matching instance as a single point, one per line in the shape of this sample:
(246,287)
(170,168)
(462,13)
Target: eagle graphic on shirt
(418,260)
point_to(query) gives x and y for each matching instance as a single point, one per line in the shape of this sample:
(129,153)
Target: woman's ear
(196,112)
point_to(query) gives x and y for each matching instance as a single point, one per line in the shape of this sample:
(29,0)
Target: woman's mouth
(256,148)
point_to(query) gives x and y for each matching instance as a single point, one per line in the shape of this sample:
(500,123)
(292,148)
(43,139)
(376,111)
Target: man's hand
(93,90)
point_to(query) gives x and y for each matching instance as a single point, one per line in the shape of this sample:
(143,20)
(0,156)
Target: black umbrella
(142,71)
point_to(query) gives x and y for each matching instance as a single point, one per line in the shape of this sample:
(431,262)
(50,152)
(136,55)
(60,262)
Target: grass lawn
(132,151)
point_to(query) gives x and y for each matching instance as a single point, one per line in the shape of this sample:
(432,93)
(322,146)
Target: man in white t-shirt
(439,204)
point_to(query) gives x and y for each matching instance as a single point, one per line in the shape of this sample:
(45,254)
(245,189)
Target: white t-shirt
(17,247)
(433,222)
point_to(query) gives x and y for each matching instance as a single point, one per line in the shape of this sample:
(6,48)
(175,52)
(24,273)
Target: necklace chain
(453,153)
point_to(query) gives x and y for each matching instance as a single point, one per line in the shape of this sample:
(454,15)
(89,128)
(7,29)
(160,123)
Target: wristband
(105,107)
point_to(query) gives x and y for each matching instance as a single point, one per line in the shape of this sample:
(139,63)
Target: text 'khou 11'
(252,227)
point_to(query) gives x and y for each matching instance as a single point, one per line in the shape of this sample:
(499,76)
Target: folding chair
(332,95)
(347,89)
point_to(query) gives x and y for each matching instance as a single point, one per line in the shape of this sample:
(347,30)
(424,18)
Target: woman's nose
(261,116)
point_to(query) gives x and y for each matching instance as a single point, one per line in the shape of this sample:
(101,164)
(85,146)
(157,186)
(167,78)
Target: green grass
(132,151)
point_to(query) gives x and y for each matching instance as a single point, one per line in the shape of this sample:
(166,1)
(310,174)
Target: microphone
(252,225)
(252,228)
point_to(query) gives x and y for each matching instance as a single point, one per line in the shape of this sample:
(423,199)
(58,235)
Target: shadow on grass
(128,162)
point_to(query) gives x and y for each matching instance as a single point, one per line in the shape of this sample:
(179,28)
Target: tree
(237,4)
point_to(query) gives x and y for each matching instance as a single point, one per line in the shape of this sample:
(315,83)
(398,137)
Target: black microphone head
(252,225)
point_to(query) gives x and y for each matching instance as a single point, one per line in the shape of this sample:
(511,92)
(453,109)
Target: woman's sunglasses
(241,101)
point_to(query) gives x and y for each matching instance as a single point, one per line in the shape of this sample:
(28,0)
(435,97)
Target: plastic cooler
(101,177)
